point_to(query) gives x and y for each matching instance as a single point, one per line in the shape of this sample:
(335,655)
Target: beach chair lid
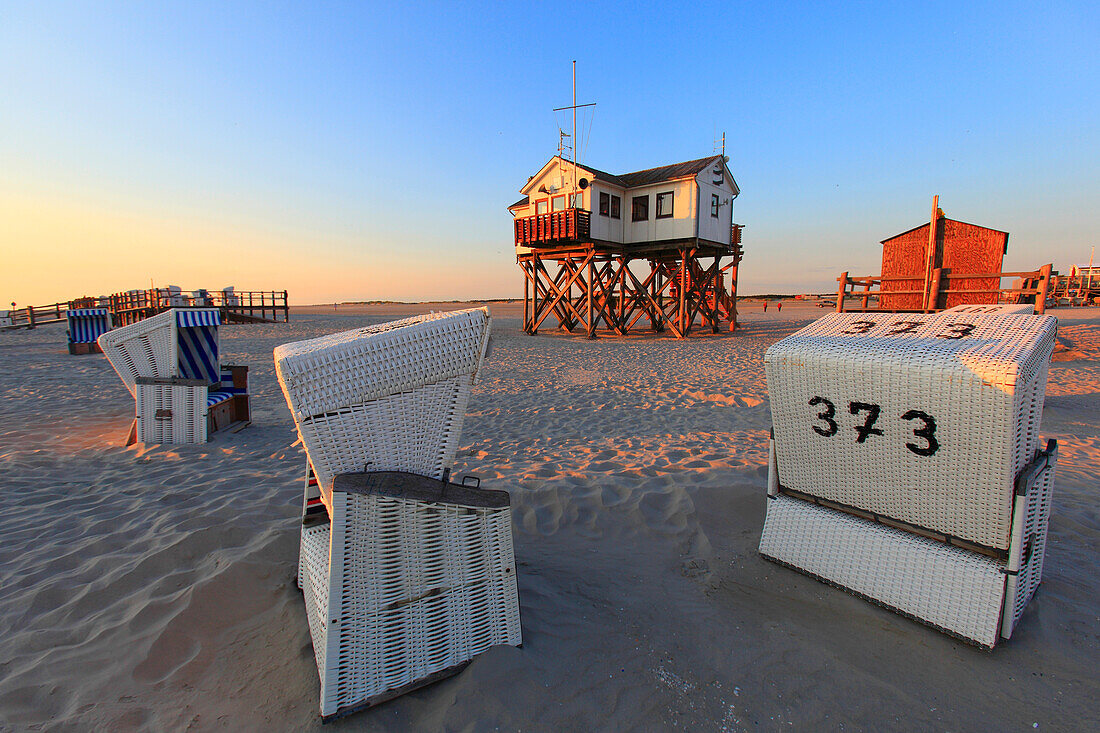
(995,348)
(363,364)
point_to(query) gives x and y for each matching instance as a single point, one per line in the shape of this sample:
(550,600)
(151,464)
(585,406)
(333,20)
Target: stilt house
(577,229)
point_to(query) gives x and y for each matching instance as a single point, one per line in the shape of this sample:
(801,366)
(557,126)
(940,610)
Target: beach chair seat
(170,363)
(906,461)
(406,575)
(85,326)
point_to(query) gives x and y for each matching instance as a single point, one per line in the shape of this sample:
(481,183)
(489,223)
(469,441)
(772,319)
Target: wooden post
(534,294)
(591,277)
(526,295)
(1044,288)
(714,283)
(286,307)
(657,320)
(683,292)
(843,280)
(932,298)
(623,262)
(930,255)
(30,316)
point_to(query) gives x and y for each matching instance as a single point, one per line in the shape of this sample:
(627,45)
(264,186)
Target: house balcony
(553,229)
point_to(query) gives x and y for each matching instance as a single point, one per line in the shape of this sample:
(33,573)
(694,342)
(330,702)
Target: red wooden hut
(958,247)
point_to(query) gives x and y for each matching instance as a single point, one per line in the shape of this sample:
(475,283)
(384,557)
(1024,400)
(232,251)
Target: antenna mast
(574,107)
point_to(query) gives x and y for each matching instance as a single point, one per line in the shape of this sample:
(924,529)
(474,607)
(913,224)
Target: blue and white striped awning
(87,324)
(198,317)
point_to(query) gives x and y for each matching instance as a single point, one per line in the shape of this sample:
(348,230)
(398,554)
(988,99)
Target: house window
(616,204)
(605,203)
(714,205)
(540,207)
(577,201)
(557,203)
(640,210)
(664,205)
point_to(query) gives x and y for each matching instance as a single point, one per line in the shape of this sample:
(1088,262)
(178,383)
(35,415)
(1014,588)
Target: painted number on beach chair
(826,416)
(904,327)
(957,331)
(860,326)
(868,427)
(926,431)
(897,328)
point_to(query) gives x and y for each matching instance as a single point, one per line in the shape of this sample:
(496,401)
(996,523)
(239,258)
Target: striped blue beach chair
(85,326)
(171,363)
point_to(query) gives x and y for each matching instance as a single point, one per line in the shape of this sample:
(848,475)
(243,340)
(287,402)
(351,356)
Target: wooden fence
(246,306)
(938,287)
(38,315)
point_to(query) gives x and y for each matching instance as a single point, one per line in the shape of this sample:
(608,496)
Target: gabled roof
(687,169)
(522,202)
(921,226)
(649,176)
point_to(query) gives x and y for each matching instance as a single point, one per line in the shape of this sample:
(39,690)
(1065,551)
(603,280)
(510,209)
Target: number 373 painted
(924,441)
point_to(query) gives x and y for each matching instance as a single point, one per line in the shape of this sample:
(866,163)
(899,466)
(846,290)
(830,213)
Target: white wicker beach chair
(170,363)
(85,326)
(906,463)
(406,576)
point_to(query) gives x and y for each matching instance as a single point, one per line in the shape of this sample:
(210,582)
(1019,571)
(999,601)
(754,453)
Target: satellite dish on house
(583,183)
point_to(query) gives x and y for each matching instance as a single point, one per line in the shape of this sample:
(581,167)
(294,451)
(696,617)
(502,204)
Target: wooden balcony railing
(557,227)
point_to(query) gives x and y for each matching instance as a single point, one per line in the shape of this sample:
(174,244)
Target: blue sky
(367,151)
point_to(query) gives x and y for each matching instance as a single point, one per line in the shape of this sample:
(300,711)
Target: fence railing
(39,315)
(934,293)
(241,306)
(246,306)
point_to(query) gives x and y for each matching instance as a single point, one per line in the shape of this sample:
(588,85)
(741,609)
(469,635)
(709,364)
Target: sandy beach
(152,588)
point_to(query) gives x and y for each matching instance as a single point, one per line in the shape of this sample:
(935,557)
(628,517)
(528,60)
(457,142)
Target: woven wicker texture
(415,588)
(181,409)
(142,349)
(354,367)
(149,347)
(416,431)
(387,397)
(922,418)
(1029,545)
(946,587)
(313,578)
(1006,309)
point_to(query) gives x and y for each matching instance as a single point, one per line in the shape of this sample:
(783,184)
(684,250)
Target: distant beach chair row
(86,325)
(406,575)
(171,364)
